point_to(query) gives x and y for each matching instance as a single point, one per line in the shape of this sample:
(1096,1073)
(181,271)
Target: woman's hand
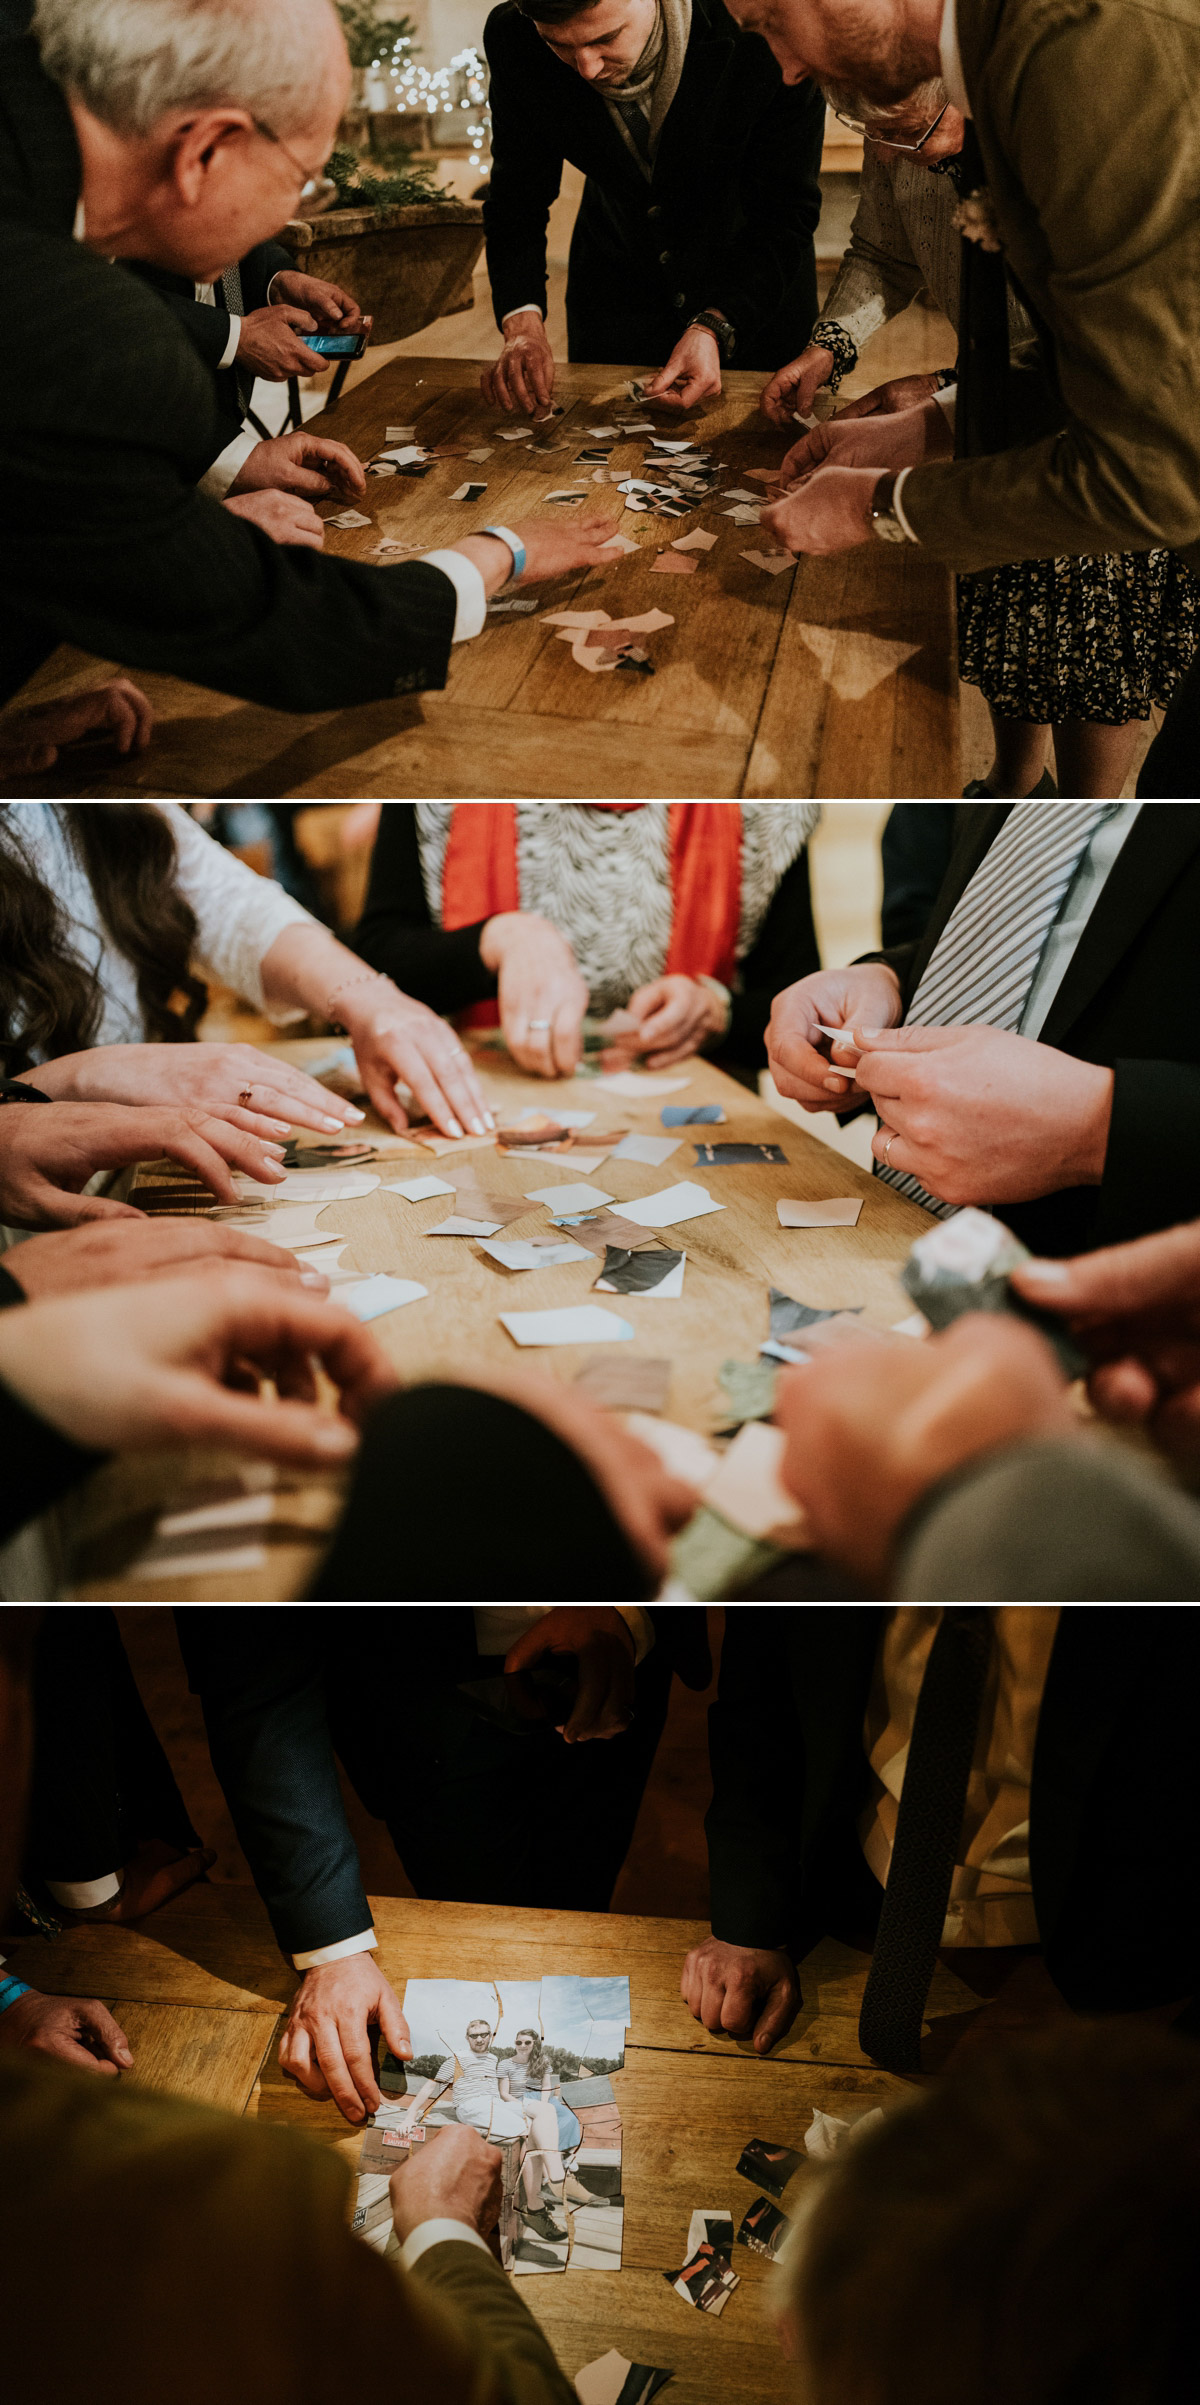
(397,1040)
(674,1016)
(228,1081)
(542,996)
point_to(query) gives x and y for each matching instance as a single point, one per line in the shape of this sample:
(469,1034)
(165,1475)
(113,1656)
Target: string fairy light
(457,89)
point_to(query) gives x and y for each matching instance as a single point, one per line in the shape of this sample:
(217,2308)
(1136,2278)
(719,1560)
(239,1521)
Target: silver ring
(887,1150)
(538,1026)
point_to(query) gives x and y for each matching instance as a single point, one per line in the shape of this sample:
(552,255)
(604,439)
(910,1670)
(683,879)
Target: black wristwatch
(11,1090)
(722,332)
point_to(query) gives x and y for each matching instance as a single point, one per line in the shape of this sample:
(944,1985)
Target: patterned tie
(986,958)
(928,1832)
(230,283)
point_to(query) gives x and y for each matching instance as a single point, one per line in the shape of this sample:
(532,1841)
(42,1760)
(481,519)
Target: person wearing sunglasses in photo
(1081,647)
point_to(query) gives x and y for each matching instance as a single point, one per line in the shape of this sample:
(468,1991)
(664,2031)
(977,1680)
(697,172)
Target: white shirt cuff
(471,613)
(217,479)
(947,401)
(229,354)
(435,2233)
(531,307)
(82,1895)
(640,1627)
(364,1943)
(897,505)
(271,287)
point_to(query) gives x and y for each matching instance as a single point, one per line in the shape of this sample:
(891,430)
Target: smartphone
(336,346)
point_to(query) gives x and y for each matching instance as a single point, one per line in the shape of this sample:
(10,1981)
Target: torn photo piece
(826,2133)
(749,1388)
(666,1209)
(534,1254)
(965,1264)
(584,1323)
(371,1297)
(431,1139)
(468,492)
(482,1202)
(417,1189)
(707,2280)
(515,434)
(734,1156)
(764,2229)
(597,2234)
(774,562)
(459,1225)
(787,1315)
(697,540)
(520,608)
(625,1382)
(566,1200)
(408,455)
(566,495)
(652,1272)
(680,1450)
(668,563)
(711,2225)
(839,1211)
(692,1114)
(652,1150)
(482,451)
(768,2164)
(620,543)
(348,517)
(613,2380)
(598,1229)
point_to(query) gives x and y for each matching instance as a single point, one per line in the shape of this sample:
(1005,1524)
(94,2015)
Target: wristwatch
(884,521)
(11,1091)
(719,327)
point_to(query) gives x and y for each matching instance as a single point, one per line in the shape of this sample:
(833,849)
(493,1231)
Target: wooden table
(734,1257)
(199,1987)
(837,679)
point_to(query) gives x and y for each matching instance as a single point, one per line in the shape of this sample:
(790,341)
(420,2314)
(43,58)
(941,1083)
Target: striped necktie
(983,965)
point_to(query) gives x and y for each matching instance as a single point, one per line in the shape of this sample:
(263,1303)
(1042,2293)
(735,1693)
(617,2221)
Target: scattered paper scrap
(841,1211)
(620,543)
(709,2226)
(630,1382)
(388,543)
(768,2164)
(518,608)
(459,1225)
(693,1114)
(654,1271)
(669,563)
(697,540)
(371,1297)
(735,1156)
(405,456)
(601,434)
(417,1189)
(382,467)
(707,2280)
(652,1150)
(432,1140)
(348,517)
(294,1226)
(484,451)
(633,1084)
(480,1202)
(613,2380)
(581,1323)
(561,1199)
(764,2228)
(666,1209)
(399,434)
(597,1230)
(681,1451)
(566,493)
(532,1255)
(737,492)
(313,1186)
(516,434)
(750,1387)
(764,475)
(749,1492)
(468,492)
(773,562)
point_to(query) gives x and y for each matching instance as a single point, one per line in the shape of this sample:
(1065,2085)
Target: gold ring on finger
(244,1097)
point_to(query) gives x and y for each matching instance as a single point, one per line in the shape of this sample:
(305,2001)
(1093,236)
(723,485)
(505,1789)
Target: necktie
(928,1831)
(986,958)
(230,281)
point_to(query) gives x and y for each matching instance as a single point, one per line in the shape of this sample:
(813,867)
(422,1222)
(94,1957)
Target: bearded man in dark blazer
(694,239)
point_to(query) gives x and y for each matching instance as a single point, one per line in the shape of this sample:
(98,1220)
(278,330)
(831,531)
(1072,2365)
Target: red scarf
(479,881)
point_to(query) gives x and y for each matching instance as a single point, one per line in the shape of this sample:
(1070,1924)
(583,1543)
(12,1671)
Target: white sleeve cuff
(640,1627)
(229,354)
(947,400)
(280,271)
(83,1895)
(435,2233)
(471,613)
(364,1943)
(897,504)
(217,479)
(527,308)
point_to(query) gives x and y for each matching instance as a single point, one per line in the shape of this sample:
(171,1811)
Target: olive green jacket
(1088,117)
(161,2253)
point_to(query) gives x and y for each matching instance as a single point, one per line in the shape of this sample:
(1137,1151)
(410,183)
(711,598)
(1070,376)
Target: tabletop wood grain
(835,678)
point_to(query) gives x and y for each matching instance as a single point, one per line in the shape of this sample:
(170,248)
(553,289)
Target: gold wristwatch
(884,521)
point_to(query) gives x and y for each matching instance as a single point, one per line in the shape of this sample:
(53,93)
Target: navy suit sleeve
(755,1749)
(752,278)
(527,165)
(260,1679)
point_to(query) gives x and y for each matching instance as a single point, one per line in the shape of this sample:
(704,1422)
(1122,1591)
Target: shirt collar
(79,229)
(951,58)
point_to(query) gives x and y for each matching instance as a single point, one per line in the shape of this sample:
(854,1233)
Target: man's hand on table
(793,389)
(72,2029)
(861,997)
(282,516)
(692,374)
(1136,1309)
(542,997)
(603,1647)
(204,1077)
(523,376)
(178,1361)
(553,547)
(105,1252)
(981,1116)
(47,1157)
(454,2176)
(871,1429)
(312,465)
(741,1991)
(30,740)
(326,2045)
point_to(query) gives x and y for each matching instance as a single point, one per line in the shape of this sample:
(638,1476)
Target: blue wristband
(505,534)
(11,1992)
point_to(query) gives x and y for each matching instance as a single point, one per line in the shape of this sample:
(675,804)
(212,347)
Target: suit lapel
(1158,847)
(1094,1668)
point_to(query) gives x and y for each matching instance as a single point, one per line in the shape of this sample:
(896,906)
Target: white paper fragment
(680,1450)
(584,1323)
(517,1255)
(653,1150)
(840,1211)
(417,1189)
(747,1488)
(664,1210)
(698,540)
(568,1199)
(826,2132)
(373,1296)
(348,517)
(457,1226)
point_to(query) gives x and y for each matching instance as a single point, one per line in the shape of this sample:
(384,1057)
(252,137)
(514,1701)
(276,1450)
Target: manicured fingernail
(284,1126)
(1046,1273)
(489,1120)
(335,1436)
(455,1129)
(478,1128)
(272,1169)
(353,1111)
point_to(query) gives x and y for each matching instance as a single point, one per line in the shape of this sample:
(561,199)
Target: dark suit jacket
(725,221)
(107,418)
(208,328)
(160,2200)
(1130,1001)
(1114,1809)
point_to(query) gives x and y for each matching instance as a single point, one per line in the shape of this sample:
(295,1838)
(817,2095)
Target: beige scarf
(654,81)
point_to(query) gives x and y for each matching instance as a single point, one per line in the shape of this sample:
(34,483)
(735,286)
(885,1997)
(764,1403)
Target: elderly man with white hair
(184,132)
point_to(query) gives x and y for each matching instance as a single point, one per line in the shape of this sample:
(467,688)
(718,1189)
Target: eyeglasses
(857,126)
(317,192)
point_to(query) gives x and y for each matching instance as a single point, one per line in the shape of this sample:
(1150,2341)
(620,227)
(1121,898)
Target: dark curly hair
(50,1002)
